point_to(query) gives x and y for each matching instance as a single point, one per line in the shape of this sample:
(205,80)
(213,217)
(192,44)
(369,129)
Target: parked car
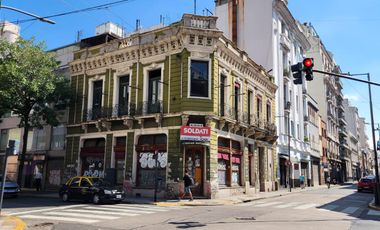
(366,183)
(11,188)
(92,189)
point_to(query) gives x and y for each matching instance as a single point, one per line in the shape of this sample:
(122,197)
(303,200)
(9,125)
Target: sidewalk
(227,200)
(11,223)
(373,205)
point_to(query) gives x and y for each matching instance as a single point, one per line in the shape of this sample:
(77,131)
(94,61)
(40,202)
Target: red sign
(192,133)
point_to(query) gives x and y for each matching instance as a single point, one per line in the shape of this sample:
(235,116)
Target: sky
(348,28)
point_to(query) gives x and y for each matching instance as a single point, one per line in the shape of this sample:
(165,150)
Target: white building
(267,31)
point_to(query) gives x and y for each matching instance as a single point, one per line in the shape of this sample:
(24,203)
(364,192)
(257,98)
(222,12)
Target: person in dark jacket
(187,182)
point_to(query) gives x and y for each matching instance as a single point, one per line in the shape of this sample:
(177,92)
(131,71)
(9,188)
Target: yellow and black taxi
(93,189)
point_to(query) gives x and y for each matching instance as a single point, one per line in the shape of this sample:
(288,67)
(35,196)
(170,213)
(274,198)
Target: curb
(17,222)
(373,206)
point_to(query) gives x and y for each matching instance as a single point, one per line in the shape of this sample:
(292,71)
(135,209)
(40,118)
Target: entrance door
(194,165)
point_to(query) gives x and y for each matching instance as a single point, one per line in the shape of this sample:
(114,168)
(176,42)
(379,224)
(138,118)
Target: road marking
(134,208)
(71,214)
(267,204)
(288,205)
(87,221)
(305,206)
(145,207)
(373,213)
(47,209)
(104,212)
(350,210)
(328,208)
(119,210)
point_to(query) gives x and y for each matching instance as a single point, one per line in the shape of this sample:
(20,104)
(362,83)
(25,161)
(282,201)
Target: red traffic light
(308,62)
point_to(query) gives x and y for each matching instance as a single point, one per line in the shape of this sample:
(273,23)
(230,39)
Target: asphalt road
(336,208)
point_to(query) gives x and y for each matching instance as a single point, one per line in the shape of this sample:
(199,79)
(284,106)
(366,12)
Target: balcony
(149,107)
(343,132)
(123,110)
(228,112)
(285,42)
(94,114)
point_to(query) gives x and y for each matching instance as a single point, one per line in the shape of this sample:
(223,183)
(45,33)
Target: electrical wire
(92,8)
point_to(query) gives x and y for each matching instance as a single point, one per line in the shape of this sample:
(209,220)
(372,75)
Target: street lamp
(377,189)
(42,19)
(287,112)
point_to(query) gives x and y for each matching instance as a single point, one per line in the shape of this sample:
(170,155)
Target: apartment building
(268,32)
(168,99)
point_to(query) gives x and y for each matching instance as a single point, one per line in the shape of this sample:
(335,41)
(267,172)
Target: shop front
(195,141)
(92,157)
(152,159)
(230,157)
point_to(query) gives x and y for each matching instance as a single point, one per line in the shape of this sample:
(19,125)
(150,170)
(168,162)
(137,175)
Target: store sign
(191,133)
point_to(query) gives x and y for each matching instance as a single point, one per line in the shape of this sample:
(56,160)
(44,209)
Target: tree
(31,87)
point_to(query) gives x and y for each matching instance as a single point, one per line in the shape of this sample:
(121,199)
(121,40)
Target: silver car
(11,189)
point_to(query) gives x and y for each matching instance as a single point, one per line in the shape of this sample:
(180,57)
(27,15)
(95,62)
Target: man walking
(37,180)
(187,182)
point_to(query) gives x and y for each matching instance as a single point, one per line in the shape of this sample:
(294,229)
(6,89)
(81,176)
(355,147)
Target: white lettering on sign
(196,131)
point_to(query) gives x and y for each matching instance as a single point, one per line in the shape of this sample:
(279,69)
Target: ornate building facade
(158,102)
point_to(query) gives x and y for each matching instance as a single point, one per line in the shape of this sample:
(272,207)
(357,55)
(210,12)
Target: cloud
(352,97)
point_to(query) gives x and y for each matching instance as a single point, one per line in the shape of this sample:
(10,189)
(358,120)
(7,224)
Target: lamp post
(377,188)
(287,111)
(42,19)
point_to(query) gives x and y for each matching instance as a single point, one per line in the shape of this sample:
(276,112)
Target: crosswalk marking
(106,212)
(374,213)
(305,206)
(47,209)
(350,210)
(72,214)
(58,218)
(118,210)
(328,208)
(268,204)
(288,205)
(135,208)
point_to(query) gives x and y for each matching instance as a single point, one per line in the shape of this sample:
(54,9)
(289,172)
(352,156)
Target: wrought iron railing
(149,107)
(97,113)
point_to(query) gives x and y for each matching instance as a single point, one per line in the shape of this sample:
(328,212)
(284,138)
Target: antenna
(79,35)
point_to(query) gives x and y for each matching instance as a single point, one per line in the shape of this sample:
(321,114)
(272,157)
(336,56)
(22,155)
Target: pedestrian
(188,181)
(328,181)
(302,181)
(37,180)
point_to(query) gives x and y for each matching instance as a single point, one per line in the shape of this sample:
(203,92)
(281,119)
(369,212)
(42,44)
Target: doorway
(194,164)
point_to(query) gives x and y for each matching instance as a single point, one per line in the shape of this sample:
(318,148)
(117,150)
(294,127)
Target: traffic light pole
(377,189)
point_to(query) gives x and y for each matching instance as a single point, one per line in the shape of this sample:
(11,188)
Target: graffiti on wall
(55,177)
(147,160)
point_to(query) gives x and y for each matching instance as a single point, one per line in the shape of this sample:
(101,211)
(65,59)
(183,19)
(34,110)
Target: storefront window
(229,162)
(119,151)
(151,153)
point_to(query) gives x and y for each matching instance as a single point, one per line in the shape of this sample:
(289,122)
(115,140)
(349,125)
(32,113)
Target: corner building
(160,101)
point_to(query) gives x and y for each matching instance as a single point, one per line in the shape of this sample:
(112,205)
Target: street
(336,208)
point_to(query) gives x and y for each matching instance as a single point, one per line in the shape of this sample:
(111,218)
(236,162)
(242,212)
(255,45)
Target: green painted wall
(109,147)
(129,158)
(174,155)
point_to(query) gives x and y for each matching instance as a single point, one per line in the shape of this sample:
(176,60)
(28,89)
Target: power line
(98,7)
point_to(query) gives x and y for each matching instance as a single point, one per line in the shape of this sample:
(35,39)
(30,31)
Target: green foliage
(30,83)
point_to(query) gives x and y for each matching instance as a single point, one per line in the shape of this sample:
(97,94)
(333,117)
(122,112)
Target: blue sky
(348,28)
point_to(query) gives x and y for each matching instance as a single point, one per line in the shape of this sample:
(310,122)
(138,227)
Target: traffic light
(308,64)
(297,71)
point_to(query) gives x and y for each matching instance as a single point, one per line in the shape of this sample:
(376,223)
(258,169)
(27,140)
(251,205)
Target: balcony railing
(97,113)
(149,107)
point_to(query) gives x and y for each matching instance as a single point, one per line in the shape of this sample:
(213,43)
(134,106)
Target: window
(39,139)
(3,139)
(229,155)
(123,95)
(58,138)
(292,127)
(250,106)
(297,103)
(199,79)
(222,94)
(85,183)
(269,112)
(223,160)
(75,182)
(236,100)
(259,107)
(154,92)
(97,99)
